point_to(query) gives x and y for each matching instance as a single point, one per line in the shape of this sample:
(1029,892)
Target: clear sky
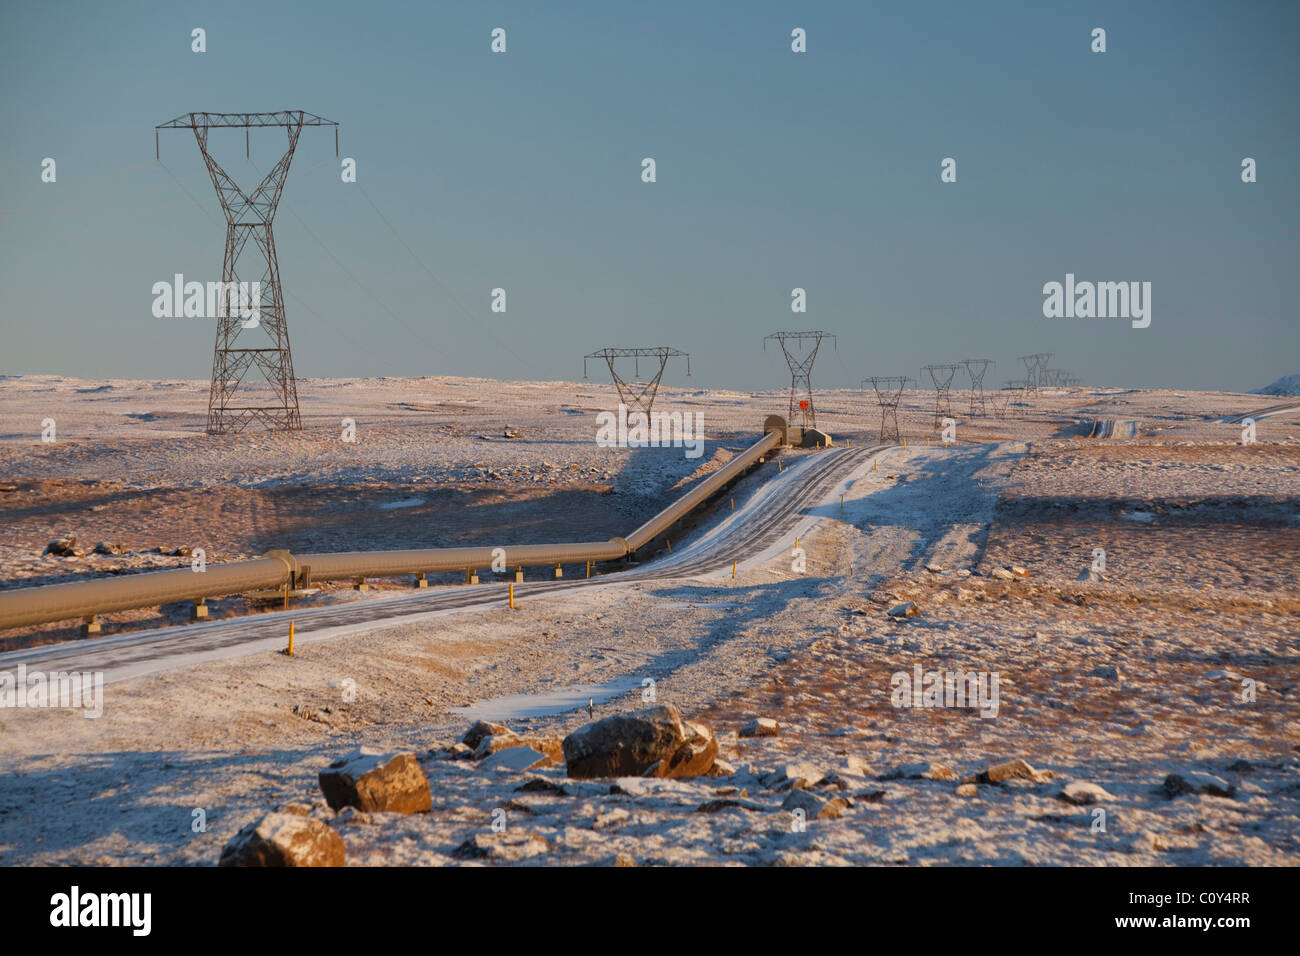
(775,170)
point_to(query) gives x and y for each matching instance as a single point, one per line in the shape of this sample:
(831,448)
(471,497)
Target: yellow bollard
(874,464)
(848,443)
(290,650)
(733,504)
(588,569)
(796,542)
(733,570)
(670,546)
(904,444)
(779,466)
(927,443)
(512,597)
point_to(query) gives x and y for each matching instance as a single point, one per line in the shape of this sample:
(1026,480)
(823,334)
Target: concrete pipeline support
(20,607)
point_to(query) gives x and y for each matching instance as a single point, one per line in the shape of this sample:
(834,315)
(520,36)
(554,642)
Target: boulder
(551,746)
(921,771)
(1081,793)
(515,759)
(793,776)
(376,782)
(1002,574)
(1011,770)
(908,609)
(815,806)
(654,742)
(508,847)
(110,547)
(64,547)
(284,839)
(1196,782)
(480,729)
(761,727)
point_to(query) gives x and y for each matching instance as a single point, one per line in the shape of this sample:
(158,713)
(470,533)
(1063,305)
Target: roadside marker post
(289,652)
(512,597)
(733,570)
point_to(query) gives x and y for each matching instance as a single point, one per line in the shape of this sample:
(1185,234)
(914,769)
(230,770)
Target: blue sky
(775,170)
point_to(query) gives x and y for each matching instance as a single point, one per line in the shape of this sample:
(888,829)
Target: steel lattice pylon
(976,368)
(942,376)
(1034,366)
(248,216)
(636,394)
(801,361)
(889,392)
(1001,399)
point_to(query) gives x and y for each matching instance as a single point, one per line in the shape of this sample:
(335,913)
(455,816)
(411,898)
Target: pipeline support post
(90,625)
(200,610)
(559,572)
(519,575)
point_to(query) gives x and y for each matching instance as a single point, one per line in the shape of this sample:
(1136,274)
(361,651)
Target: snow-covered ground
(1117,681)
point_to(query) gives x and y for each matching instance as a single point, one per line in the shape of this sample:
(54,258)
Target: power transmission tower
(800,357)
(1001,399)
(1034,365)
(637,393)
(889,391)
(264,344)
(942,376)
(976,368)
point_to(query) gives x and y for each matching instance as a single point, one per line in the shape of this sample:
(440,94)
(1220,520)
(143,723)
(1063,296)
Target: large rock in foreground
(284,839)
(655,740)
(377,783)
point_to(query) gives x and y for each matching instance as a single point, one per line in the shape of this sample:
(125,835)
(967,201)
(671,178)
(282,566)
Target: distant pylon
(1034,365)
(942,376)
(976,368)
(248,216)
(889,391)
(637,393)
(800,359)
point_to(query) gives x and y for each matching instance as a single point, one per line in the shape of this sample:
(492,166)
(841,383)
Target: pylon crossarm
(238,120)
(637,393)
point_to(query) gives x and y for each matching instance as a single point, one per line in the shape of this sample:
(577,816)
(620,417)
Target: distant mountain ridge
(1286,385)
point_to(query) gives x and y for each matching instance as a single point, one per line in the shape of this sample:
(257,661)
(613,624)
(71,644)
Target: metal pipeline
(55,602)
(703,491)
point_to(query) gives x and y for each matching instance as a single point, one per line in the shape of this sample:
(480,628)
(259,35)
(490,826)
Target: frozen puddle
(404,503)
(549,704)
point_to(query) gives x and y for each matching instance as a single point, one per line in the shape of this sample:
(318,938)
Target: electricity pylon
(637,393)
(1034,366)
(942,376)
(800,358)
(264,343)
(889,391)
(976,368)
